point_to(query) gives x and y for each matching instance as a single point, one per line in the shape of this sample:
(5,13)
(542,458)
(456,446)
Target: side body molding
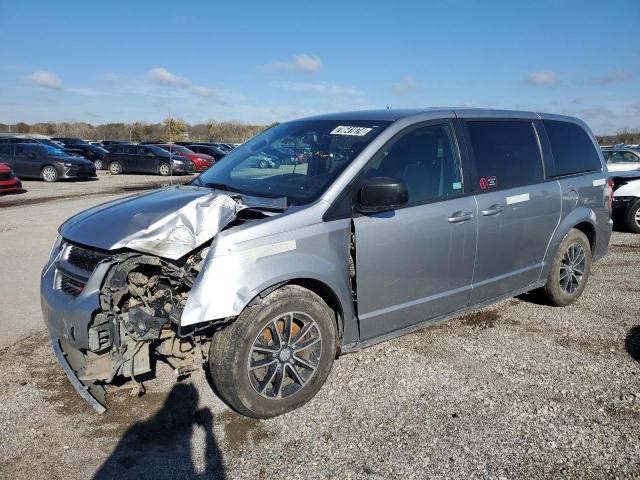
(234,273)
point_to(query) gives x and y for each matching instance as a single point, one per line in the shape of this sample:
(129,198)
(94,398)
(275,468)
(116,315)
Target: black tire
(164,169)
(568,278)
(98,164)
(632,216)
(234,348)
(115,168)
(49,174)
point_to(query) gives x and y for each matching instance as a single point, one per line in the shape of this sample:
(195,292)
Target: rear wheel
(49,174)
(115,168)
(164,169)
(569,271)
(632,216)
(276,355)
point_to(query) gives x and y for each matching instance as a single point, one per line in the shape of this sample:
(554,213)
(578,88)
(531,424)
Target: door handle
(493,210)
(458,217)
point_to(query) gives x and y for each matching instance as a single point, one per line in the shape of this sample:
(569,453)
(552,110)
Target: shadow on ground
(632,343)
(161,447)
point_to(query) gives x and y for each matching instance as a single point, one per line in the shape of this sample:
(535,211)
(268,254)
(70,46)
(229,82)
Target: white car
(622,159)
(626,199)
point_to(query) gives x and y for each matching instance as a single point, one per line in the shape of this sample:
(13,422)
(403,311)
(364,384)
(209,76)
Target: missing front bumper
(71,361)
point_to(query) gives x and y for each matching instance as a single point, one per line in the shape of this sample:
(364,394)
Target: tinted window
(426,159)
(623,157)
(131,150)
(6,149)
(573,150)
(506,154)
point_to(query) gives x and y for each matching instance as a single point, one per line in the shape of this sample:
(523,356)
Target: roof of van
(392,115)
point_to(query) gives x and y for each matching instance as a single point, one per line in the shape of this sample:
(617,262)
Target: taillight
(610,187)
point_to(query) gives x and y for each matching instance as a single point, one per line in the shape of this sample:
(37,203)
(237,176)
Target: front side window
(573,150)
(297,160)
(506,154)
(426,159)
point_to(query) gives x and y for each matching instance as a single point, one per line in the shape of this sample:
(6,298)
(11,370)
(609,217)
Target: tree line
(168,129)
(211,131)
(626,136)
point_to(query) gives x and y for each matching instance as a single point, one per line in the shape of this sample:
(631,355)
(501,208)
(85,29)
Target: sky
(267,61)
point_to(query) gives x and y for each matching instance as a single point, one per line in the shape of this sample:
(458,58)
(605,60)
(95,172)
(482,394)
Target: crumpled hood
(169,222)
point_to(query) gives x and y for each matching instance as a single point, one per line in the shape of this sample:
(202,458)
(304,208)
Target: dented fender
(234,273)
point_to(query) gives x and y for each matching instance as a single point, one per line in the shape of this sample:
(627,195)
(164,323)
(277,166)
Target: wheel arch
(583,219)
(320,288)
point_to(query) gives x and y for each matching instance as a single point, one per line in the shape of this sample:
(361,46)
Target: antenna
(170,154)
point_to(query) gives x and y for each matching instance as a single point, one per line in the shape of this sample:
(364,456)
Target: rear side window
(6,149)
(573,150)
(506,154)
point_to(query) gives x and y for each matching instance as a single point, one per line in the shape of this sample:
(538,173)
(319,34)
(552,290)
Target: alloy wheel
(572,268)
(49,174)
(285,355)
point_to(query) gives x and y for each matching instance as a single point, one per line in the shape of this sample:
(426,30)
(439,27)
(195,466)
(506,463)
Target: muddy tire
(49,174)
(115,168)
(276,355)
(164,169)
(632,216)
(569,270)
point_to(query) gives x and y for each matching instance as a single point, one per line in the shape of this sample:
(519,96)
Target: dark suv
(90,152)
(35,160)
(145,159)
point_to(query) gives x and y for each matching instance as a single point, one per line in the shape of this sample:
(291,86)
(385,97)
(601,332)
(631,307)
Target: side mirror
(381,194)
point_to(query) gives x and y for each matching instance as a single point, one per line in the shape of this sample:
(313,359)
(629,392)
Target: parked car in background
(145,159)
(69,140)
(9,182)
(621,159)
(90,152)
(51,143)
(106,143)
(201,161)
(34,160)
(626,199)
(17,140)
(216,153)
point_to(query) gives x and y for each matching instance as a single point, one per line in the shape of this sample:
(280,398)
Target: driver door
(416,263)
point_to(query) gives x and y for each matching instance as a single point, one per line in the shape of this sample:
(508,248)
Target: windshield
(56,152)
(157,150)
(297,160)
(95,148)
(177,148)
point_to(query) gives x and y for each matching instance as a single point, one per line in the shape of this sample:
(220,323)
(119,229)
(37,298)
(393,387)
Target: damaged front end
(112,312)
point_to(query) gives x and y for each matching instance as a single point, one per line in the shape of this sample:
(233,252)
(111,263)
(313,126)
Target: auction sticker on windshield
(355,131)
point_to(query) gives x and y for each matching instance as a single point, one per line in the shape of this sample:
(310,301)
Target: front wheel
(49,174)
(98,164)
(569,270)
(632,216)
(276,355)
(164,169)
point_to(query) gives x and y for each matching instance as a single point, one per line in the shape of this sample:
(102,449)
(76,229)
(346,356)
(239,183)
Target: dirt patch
(239,430)
(624,248)
(486,319)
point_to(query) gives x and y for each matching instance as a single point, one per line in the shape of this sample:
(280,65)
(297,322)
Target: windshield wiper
(221,186)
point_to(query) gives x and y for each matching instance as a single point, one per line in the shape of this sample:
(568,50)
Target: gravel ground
(517,390)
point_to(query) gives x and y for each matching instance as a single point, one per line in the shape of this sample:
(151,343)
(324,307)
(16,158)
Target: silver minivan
(377,224)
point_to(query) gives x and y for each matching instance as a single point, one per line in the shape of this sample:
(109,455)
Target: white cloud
(300,63)
(322,88)
(406,86)
(163,77)
(614,76)
(45,79)
(544,77)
